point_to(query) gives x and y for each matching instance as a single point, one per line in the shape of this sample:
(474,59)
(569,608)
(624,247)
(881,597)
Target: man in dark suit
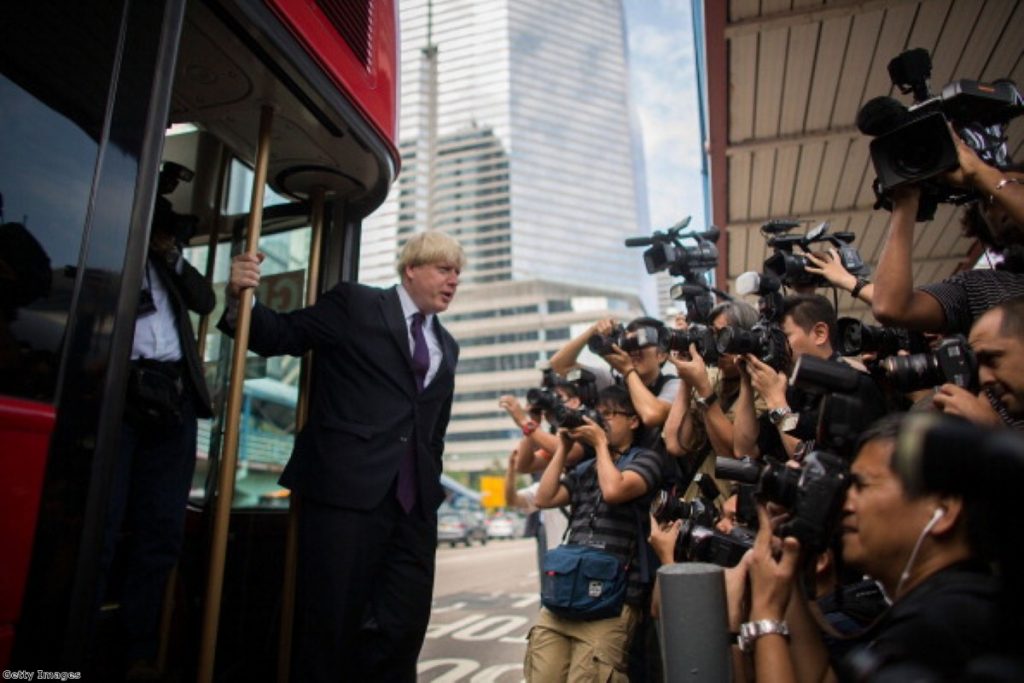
(157,449)
(368,462)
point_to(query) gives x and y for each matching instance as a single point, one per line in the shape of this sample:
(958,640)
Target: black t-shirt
(937,628)
(968,294)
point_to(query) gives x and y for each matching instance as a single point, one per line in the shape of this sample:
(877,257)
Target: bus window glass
(46,171)
(270,392)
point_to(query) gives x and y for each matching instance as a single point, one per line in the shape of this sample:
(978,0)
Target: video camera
(791,267)
(952,362)
(691,262)
(765,340)
(181,226)
(913,144)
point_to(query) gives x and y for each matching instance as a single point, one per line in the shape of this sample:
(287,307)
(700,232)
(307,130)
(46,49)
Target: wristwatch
(706,401)
(784,418)
(752,630)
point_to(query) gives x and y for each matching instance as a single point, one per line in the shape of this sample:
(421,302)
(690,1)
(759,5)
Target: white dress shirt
(156,334)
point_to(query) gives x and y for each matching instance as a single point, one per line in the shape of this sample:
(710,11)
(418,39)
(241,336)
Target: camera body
(765,340)
(641,337)
(952,361)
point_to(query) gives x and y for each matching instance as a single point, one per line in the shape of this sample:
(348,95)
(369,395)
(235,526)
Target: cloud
(664,96)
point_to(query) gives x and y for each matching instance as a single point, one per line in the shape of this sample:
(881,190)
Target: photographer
(606,504)
(997,339)
(157,447)
(701,419)
(830,267)
(650,390)
(809,321)
(953,304)
(919,543)
(537,444)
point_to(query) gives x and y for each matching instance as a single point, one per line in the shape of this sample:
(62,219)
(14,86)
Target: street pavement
(486,598)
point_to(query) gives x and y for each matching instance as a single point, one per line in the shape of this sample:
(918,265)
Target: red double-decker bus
(96,96)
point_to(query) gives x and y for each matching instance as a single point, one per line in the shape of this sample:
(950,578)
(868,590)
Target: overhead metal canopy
(785,79)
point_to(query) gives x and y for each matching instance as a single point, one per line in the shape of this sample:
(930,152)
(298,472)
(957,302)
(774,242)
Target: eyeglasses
(605,414)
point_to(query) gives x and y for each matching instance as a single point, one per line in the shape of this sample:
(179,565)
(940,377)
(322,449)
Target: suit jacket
(189,290)
(365,410)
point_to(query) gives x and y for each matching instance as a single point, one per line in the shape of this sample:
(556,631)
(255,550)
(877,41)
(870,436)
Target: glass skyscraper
(516,137)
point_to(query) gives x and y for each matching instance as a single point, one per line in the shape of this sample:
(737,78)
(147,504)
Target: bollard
(694,631)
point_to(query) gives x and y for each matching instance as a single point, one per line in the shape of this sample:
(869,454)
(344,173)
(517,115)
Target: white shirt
(409,309)
(156,334)
(554,521)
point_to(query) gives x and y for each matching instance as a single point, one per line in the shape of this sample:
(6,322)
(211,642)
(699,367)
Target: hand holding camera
(589,433)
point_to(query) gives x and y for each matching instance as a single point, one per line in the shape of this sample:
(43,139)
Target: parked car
(460,526)
(502,526)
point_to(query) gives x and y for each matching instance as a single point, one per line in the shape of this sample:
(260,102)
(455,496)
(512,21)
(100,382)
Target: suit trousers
(365,584)
(148,499)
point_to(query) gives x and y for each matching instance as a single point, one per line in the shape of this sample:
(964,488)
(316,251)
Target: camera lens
(913,372)
(780,484)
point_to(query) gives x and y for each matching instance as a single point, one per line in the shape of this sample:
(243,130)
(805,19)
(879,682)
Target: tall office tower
(516,138)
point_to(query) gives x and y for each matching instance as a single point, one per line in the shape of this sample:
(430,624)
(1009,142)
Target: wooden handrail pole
(232,416)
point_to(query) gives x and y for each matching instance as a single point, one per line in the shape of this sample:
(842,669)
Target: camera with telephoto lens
(951,362)
(544,398)
(813,494)
(913,144)
(642,337)
(765,340)
(698,540)
(702,510)
(855,338)
(791,267)
(703,337)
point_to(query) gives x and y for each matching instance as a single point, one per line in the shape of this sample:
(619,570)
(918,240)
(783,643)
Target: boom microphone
(879,115)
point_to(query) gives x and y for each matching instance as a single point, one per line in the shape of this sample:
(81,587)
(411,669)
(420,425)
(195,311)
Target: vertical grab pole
(284,645)
(229,453)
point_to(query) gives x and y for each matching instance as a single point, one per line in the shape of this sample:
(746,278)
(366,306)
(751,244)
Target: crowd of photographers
(856,482)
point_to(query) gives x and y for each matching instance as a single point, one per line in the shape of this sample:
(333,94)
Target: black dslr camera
(698,540)
(586,388)
(765,340)
(701,336)
(855,338)
(813,494)
(642,337)
(913,144)
(952,361)
(791,267)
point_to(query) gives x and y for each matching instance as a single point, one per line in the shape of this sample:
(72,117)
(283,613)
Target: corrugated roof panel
(860,52)
(771,69)
(807,176)
(800,60)
(786,161)
(831,48)
(761,183)
(832,165)
(742,75)
(739,178)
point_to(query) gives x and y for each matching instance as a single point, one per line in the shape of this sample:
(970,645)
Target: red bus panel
(25,428)
(356,43)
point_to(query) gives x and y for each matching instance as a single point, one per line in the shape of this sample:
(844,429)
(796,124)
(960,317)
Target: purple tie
(406,491)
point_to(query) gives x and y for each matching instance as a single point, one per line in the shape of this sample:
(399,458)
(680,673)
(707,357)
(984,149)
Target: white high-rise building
(516,137)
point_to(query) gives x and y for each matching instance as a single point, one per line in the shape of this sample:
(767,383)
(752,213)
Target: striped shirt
(964,297)
(614,528)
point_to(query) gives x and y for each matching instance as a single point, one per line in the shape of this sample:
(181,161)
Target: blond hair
(431,246)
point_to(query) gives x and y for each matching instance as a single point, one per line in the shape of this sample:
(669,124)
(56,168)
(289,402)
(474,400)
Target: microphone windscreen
(879,115)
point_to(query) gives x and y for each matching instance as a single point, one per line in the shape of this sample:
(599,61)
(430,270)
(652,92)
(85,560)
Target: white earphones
(936,516)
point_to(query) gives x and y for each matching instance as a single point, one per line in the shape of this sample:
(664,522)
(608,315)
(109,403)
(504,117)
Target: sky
(665,100)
